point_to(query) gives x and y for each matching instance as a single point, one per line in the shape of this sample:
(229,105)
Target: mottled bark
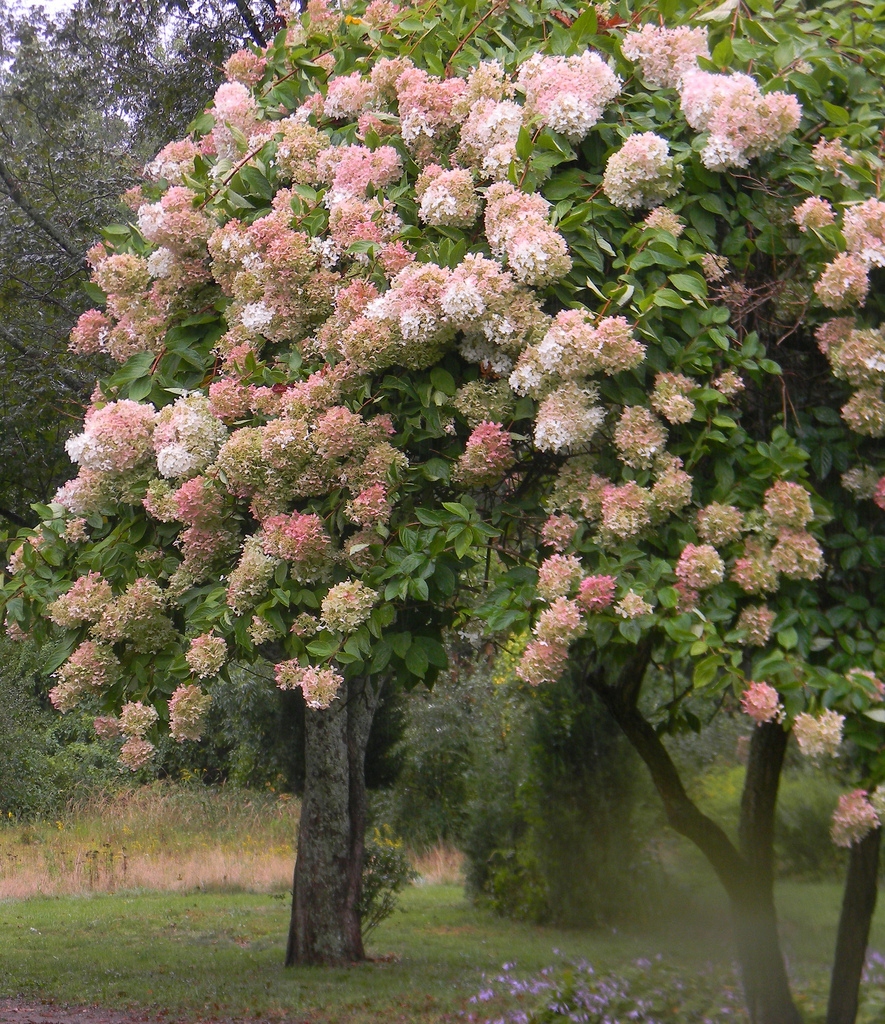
(858,905)
(325,927)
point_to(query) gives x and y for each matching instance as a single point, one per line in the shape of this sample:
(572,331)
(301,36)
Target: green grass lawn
(211,954)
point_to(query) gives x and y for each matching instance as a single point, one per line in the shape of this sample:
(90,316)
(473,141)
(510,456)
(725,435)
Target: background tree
(86,98)
(400,342)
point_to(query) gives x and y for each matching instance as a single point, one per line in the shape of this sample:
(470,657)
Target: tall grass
(169,837)
(160,837)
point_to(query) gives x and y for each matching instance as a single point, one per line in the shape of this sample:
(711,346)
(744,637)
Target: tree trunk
(745,873)
(325,926)
(858,904)
(766,986)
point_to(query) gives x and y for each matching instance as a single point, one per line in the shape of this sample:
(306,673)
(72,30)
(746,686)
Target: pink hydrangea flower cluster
(425,109)
(577,345)
(756,621)
(559,531)
(245,67)
(742,122)
(753,571)
(844,282)
(176,223)
(92,666)
(487,456)
(115,438)
(568,418)
(446,198)
(567,94)
(187,709)
(639,437)
(198,502)
(788,504)
(814,213)
(854,817)
(320,686)
(136,718)
(666,55)
(542,662)
(187,436)
(90,333)
(348,96)
(633,606)
(488,137)
(172,162)
(561,623)
(819,736)
(641,172)
(352,169)
(626,511)
(136,753)
(672,490)
(670,397)
(864,412)
(857,356)
(863,226)
(699,567)
(206,655)
(663,219)
(797,555)
(762,703)
(831,154)
(301,540)
(558,576)
(347,606)
(84,602)
(596,593)
(370,506)
(138,617)
(517,226)
(864,482)
(235,112)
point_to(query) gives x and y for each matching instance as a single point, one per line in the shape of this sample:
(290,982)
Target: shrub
(386,872)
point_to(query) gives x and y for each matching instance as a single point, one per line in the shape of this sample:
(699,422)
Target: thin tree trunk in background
(325,927)
(858,905)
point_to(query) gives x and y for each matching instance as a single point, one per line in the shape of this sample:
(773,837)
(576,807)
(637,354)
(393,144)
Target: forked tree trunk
(745,873)
(858,904)
(325,927)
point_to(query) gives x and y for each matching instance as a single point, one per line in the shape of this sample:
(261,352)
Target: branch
(249,18)
(71,381)
(15,194)
(13,517)
(683,815)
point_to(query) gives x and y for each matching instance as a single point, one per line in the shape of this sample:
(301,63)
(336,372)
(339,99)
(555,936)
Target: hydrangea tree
(505,317)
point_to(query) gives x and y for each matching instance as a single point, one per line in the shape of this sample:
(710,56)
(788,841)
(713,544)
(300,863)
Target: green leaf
(443,381)
(692,284)
(707,670)
(524,146)
(417,661)
(838,115)
(434,469)
(788,638)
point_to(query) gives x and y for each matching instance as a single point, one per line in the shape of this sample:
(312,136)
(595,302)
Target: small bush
(386,872)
